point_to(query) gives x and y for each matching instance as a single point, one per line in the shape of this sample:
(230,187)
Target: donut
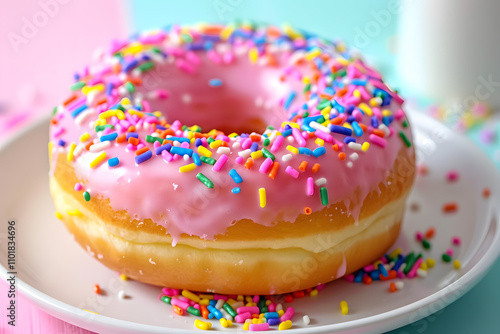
(237,159)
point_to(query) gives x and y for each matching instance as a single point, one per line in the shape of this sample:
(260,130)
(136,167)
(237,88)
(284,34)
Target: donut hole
(246,101)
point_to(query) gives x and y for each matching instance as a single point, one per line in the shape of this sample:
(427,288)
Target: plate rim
(468,280)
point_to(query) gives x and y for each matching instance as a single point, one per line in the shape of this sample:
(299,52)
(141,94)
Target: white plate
(58,275)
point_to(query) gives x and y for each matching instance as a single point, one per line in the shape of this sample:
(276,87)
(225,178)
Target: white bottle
(449,51)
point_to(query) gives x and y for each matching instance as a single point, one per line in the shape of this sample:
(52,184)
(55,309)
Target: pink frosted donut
(236,159)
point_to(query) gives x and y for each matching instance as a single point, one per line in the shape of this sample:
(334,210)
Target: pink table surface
(43,42)
(30,319)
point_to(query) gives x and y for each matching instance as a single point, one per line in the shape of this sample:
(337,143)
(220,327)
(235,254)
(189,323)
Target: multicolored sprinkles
(344,100)
(260,313)
(256,313)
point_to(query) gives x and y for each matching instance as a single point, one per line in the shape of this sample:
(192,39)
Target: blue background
(370,26)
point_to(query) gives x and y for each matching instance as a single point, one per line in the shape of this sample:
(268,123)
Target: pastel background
(36,70)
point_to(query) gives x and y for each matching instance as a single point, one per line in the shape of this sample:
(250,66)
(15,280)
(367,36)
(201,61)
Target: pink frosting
(156,189)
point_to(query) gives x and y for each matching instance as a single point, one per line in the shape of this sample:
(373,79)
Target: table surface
(21,102)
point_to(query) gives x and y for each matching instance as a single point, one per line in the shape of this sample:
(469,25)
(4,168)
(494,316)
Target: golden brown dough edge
(397,184)
(239,271)
(314,251)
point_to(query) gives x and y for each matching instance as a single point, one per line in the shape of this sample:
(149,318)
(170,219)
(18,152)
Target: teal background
(370,26)
(326,18)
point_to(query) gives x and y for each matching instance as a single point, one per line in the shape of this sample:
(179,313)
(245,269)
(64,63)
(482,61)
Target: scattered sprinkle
(203,325)
(344,307)
(225,323)
(429,234)
(405,139)
(262,197)
(74,212)
(215,82)
(422,169)
(285,325)
(452,176)
(292,172)
(112,162)
(450,207)
(86,196)
(122,295)
(205,180)
(97,161)
(324,196)
(446,257)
